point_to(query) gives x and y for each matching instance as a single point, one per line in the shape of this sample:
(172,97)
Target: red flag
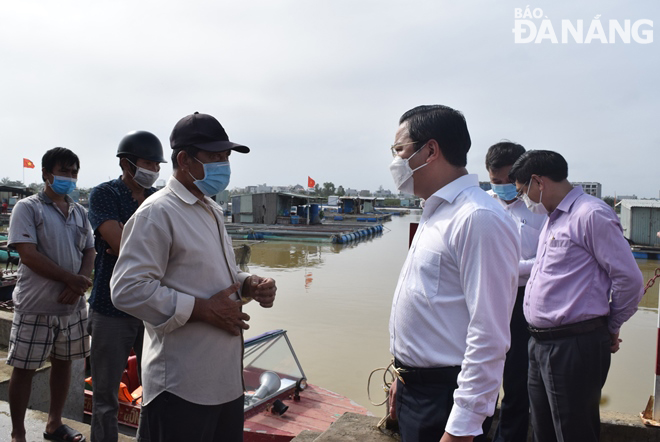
(310,182)
(28,164)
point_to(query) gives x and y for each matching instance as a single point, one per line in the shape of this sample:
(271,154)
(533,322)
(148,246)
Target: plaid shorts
(34,338)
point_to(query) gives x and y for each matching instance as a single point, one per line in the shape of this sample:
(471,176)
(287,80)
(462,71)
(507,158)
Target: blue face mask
(62,185)
(216,178)
(506,192)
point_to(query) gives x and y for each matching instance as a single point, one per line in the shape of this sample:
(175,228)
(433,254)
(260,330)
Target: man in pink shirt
(584,285)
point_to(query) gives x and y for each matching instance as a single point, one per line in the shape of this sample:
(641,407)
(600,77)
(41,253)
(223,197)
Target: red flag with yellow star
(28,164)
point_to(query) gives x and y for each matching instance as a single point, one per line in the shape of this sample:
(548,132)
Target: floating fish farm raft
(338,233)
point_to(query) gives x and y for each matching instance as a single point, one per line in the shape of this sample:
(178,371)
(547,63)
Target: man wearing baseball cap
(176,271)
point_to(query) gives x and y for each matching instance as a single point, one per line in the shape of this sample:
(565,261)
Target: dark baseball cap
(204,132)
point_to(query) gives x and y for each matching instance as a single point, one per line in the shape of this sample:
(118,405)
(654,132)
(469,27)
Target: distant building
(590,187)
(485,185)
(251,189)
(365,193)
(640,220)
(13,194)
(383,193)
(263,188)
(626,197)
(273,208)
(413,201)
(351,192)
(356,205)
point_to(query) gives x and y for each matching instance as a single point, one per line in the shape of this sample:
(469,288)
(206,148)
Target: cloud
(316,87)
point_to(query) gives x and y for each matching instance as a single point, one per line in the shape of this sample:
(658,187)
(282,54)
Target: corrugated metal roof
(640,203)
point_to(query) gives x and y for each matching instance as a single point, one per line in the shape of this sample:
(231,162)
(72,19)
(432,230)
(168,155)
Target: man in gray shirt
(177,272)
(54,240)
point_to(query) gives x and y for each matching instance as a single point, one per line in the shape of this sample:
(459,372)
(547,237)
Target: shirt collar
(566,203)
(46,199)
(123,188)
(180,190)
(450,191)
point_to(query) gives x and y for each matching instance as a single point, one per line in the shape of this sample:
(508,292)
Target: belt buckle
(399,372)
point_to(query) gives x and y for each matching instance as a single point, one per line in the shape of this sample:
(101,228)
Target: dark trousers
(423,410)
(514,409)
(112,340)
(565,380)
(169,418)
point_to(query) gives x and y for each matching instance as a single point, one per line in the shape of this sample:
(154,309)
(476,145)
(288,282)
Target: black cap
(141,144)
(204,132)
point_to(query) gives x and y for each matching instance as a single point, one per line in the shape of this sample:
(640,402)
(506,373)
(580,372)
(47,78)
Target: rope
(651,281)
(386,384)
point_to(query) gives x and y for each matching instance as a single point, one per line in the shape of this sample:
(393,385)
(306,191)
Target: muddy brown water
(335,301)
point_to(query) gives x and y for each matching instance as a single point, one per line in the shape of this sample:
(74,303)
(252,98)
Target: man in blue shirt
(114,332)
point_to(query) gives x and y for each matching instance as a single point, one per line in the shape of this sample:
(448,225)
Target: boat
(279,402)
(8,274)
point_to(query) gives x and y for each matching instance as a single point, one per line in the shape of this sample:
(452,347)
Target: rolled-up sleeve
(525,267)
(136,281)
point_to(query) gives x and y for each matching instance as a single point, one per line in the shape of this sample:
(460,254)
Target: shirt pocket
(558,257)
(424,276)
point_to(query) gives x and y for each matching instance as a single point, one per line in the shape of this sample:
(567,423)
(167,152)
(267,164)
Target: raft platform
(645,252)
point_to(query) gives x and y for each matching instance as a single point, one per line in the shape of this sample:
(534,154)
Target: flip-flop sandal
(64,434)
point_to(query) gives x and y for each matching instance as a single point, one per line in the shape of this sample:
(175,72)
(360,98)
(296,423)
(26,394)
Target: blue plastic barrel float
(314,212)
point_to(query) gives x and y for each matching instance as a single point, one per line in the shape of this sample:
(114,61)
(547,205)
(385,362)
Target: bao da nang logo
(533,26)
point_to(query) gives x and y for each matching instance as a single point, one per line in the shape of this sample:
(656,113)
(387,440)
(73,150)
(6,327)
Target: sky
(316,87)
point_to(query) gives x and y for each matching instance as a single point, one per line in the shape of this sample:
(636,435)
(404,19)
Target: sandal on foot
(64,434)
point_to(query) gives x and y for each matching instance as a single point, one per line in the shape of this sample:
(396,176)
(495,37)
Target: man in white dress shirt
(514,409)
(449,326)
(177,272)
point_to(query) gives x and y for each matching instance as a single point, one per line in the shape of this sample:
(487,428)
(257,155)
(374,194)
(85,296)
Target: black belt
(569,330)
(422,375)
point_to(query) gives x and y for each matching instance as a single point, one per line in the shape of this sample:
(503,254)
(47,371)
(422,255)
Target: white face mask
(534,207)
(403,174)
(144,177)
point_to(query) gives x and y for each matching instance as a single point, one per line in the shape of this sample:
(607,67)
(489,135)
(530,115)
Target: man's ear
(539,181)
(434,151)
(184,160)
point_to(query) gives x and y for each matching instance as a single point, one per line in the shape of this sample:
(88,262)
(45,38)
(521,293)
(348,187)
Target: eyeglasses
(522,190)
(394,147)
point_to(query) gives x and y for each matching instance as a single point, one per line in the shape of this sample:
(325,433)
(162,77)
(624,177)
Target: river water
(334,301)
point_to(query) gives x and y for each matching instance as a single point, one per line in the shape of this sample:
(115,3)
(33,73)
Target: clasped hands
(76,286)
(223,312)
